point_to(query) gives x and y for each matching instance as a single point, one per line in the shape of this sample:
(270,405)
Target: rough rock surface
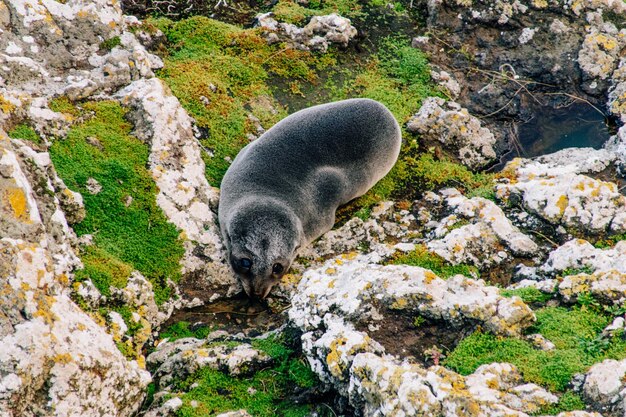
(316,35)
(604,385)
(589,270)
(476,232)
(356,288)
(447,122)
(561,196)
(182,357)
(185,196)
(56,48)
(51,347)
(333,300)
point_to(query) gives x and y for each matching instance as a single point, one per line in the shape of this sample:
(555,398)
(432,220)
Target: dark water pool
(552,129)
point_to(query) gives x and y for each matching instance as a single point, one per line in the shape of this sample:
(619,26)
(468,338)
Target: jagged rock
(476,232)
(447,122)
(386,221)
(560,196)
(177,167)
(49,42)
(601,272)
(55,359)
(182,357)
(240,413)
(604,386)
(356,288)
(316,35)
(599,54)
(579,254)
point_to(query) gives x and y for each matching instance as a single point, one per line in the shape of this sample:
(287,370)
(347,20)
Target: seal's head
(262,241)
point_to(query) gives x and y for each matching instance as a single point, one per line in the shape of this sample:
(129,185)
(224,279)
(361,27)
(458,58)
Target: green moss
(570,330)
(217,392)
(126,236)
(133,326)
(219,72)
(568,401)
(421,256)
(427,173)
(529,295)
(64,105)
(110,43)
(291,12)
(181,330)
(25,132)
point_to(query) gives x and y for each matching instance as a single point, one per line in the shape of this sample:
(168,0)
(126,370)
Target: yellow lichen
(562,203)
(17,203)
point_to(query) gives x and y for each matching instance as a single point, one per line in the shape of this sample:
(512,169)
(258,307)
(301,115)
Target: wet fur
(283,189)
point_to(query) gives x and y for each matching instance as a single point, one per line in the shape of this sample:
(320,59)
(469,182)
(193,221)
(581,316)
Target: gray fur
(282,190)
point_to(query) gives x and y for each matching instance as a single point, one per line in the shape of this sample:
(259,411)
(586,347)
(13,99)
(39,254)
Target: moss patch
(574,332)
(421,256)
(530,295)
(24,132)
(266,393)
(130,231)
(183,329)
(219,72)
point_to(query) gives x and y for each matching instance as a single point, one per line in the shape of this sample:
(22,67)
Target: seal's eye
(277,269)
(245,263)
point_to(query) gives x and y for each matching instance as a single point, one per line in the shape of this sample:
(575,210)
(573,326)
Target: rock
(316,35)
(452,125)
(540,342)
(75,48)
(55,359)
(477,232)
(601,272)
(598,57)
(182,357)
(358,288)
(604,386)
(177,167)
(578,254)
(93,186)
(560,196)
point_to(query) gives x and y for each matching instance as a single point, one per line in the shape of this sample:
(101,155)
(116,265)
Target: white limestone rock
(357,288)
(561,196)
(50,40)
(182,357)
(55,358)
(316,35)
(485,236)
(447,122)
(185,196)
(605,387)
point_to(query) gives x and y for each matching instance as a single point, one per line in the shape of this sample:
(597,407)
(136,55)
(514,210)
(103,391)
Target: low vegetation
(129,230)
(266,393)
(576,333)
(421,256)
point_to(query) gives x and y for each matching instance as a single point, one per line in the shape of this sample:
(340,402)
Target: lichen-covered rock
(578,254)
(182,357)
(605,387)
(599,54)
(447,122)
(75,48)
(386,222)
(185,196)
(361,290)
(316,35)
(55,359)
(586,269)
(477,232)
(560,196)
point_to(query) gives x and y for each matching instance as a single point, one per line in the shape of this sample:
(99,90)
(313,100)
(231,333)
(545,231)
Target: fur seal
(282,190)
